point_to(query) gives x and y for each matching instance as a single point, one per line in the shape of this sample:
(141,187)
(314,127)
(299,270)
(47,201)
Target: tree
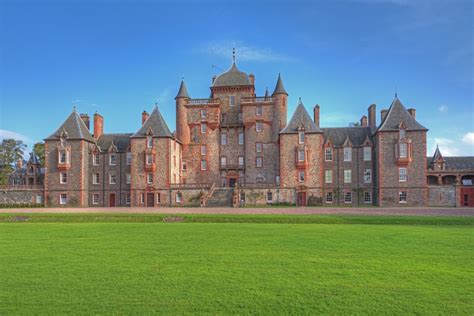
(38,150)
(11,150)
(354,124)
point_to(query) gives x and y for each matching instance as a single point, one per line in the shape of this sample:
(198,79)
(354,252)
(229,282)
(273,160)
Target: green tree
(11,150)
(38,149)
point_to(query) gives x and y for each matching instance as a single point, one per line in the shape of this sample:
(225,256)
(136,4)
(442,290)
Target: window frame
(149,141)
(348,194)
(368,173)
(367,153)
(241,138)
(95,159)
(149,178)
(347,175)
(61,178)
(301,137)
(347,154)
(257,145)
(258,126)
(203,128)
(96,178)
(328,150)
(112,175)
(329,194)
(61,200)
(224,139)
(259,110)
(112,159)
(402,197)
(328,175)
(231,100)
(301,179)
(129,158)
(94,196)
(203,165)
(402,176)
(257,160)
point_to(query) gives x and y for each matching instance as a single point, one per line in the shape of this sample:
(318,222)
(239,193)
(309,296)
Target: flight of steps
(222,197)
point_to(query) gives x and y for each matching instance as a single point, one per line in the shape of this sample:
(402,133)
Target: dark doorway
(301,199)
(467,197)
(232,182)
(112,200)
(150,199)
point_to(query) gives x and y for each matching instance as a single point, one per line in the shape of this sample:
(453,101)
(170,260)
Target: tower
(182,128)
(281,98)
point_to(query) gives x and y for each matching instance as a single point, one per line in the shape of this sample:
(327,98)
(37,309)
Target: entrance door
(112,200)
(232,182)
(467,197)
(150,199)
(301,198)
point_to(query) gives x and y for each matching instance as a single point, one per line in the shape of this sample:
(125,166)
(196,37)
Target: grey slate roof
(300,118)
(460,163)
(338,135)
(121,141)
(34,159)
(396,114)
(75,128)
(279,88)
(183,91)
(156,124)
(232,77)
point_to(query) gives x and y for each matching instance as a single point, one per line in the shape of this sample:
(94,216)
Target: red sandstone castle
(237,148)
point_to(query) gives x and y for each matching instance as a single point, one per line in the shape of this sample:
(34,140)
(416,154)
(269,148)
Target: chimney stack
(252,79)
(372,117)
(412,112)
(85,118)
(363,121)
(316,115)
(144,117)
(383,114)
(98,125)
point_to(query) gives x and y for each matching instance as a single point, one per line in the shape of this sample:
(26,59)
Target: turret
(182,127)
(281,98)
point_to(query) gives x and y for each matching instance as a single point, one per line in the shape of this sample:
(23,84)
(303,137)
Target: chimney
(252,79)
(316,115)
(144,117)
(98,125)
(19,163)
(383,114)
(372,116)
(412,112)
(85,118)
(363,121)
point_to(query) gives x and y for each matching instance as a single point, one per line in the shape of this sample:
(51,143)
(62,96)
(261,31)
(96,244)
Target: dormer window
(402,133)
(63,157)
(203,114)
(403,150)
(301,137)
(149,141)
(347,154)
(232,100)
(301,155)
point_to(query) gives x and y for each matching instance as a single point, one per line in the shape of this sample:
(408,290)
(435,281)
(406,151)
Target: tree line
(12,150)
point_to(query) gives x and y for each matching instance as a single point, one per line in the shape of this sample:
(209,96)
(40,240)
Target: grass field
(220,264)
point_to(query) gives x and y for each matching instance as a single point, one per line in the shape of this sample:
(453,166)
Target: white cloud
(443,108)
(468,138)
(243,51)
(4,134)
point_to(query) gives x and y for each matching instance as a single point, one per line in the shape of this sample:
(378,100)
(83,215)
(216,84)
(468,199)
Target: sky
(121,57)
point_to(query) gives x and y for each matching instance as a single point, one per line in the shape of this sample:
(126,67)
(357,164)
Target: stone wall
(19,196)
(444,195)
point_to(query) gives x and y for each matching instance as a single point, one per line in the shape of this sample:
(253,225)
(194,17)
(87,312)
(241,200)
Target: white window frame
(258,110)
(112,159)
(328,176)
(203,150)
(149,178)
(348,194)
(128,178)
(203,114)
(301,137)
(63,180)
(223,161)
(329,197)
(269,197)
(95,159)
(258,147)
(158,198)
(259,161)
(203,164)
(258,126)
(112,176)
(301,176)
(347,153)
(60,156)
(128,199)
(96,178)
(232,100)
(368,176)
(149,141)
(347,176)
(95,198)
(203,128)
(149,159)
(142,198)
(63,198)
(223,138)
(403,150)
(367,197)
(402,174)
(402,197)
(328,153)
(301,155)
(402,133)
(179,197)
(367,153)
(129,158)
(241,160)
(241,138)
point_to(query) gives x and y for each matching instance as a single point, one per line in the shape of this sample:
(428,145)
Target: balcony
(256,100)
(211,101)
(301,164)
(150,167)
(64,165)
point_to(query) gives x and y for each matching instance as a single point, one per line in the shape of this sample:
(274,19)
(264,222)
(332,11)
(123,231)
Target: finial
(74,108)
(396,95)
(233,54)
(300,99)
(182,78)
(156,104)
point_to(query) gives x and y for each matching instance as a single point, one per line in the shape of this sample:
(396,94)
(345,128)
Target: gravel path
(427,211)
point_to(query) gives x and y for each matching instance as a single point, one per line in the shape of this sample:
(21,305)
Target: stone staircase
(221,197)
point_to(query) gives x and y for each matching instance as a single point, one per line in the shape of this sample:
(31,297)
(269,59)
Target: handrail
(256,99)
(209,194)
(202,101)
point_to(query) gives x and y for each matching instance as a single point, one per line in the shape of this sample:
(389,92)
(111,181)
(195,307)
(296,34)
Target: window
(223,138)
(203,164)
(277,180)
(112,159)
(259,179)
(95,199)
(403,150)
(259,162)
(63,198)
(203,114)
(328,154)
(402,197)
(402,133)
(367,176)
(367,153)
(258,110)
(224,182)
(232,100)
(223,161)
(348,197)
(258,126)
(95,159)
(258,147)
(328,176)
(158,198)
(183,166)
(142,198)
(203,150)
(402,174)
(242,197)
(128,199)
(203,128)
(149,141)
(63,156)
(241,160)
(329,197)
(347,154)
(300,155)
(149,159)
(128,178)
(63,177)
(149,178)
(179,197)
(347,176)
(129,159)
(367,197)
(96,178)
(241,138)
(269,196)
(301,137)
(112,178)
(301,176)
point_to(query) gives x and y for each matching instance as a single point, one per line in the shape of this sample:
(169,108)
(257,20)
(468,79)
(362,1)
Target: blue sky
(119,58)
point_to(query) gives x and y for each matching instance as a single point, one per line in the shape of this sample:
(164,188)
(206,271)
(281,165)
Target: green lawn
(136,264)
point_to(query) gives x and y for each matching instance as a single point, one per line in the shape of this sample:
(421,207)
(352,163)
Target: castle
(236,148)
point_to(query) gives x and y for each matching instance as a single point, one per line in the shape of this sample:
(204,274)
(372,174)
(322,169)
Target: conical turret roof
(183,91)
(279,88)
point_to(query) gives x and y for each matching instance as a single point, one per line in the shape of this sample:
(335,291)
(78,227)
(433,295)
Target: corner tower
(182,127)
(281,98)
